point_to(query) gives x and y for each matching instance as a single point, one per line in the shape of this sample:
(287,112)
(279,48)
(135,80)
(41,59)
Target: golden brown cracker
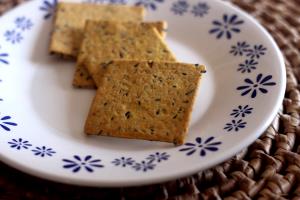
(70,19)
(107,40)
(144,100)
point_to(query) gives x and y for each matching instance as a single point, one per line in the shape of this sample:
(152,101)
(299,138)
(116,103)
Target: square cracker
(144,100)
(70,19)
(110,40)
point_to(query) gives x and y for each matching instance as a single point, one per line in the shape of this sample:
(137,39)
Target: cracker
(161,27)
(106,40)
(144,100)
(70,20)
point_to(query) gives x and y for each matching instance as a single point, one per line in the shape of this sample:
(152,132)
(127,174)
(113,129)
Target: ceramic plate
(42,115)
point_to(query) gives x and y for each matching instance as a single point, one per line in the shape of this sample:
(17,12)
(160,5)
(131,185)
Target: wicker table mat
(268,169)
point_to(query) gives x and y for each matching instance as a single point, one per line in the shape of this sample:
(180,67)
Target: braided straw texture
(268,169)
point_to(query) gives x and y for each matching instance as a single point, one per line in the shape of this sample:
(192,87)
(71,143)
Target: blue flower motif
(257,51)
(227,26)
(247,66)
(200,9)
(235,125)
(87,163)
(180,7)
(48,7)
(158,157)
(3,58)
(118,1)
(207,145)
(149,4)
(144,166)
(5,124)
(23,23)
(241,111)
(253,87)
(43,151)
(239,49)
(19,144)
(123,161)
(13,36)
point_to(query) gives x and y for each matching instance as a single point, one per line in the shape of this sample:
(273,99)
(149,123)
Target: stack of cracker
(142,91)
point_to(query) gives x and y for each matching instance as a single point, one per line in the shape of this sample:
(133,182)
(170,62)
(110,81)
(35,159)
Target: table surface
(267,169)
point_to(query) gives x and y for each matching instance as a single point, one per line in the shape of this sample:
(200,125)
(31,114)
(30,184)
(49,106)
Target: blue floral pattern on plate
(237,122)
(257,51)
(23,23)
(3,57)
(6,124)
(43,151)
(235,125)
(158,157)
(252,55)
(123,161)
(78,163)
(253,87)
(226,27)
(200,9)
(144,166)
(19,144)
(202,146)
(242,111)
(240,48)
(149,163)
(13,36)
(149,4)
(247,66)
(180,7)
(48,6)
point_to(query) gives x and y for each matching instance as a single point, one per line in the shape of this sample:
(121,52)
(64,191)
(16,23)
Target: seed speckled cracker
(145,100)
(107,40)
(70,20)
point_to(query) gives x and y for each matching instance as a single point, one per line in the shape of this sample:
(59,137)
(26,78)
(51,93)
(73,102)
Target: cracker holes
(128,114)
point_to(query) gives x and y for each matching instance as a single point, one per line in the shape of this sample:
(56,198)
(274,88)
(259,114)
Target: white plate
(42,115)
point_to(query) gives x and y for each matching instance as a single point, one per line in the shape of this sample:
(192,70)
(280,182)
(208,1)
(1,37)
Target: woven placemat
(268,169)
